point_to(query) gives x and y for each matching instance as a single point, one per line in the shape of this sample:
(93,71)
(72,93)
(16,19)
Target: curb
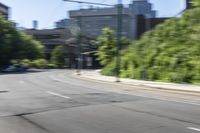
(138,85)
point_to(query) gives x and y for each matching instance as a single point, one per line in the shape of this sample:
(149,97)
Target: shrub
(25,62)
(39,63)
(51,66)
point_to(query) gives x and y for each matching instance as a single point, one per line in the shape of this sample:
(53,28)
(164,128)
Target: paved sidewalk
(95,75)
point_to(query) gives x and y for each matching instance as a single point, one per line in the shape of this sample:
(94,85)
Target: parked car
(15,68)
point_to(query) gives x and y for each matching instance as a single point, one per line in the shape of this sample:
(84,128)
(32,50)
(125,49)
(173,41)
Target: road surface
(56,101)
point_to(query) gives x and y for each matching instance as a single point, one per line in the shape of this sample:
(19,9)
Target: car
(15,68)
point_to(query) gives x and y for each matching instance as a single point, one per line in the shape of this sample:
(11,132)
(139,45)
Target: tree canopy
(196,3)
(16,45)
(58,56)
(106,51)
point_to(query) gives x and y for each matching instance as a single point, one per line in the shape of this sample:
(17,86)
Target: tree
(170,52)
(196,3)
(16,45)
(58,56)
(107,48)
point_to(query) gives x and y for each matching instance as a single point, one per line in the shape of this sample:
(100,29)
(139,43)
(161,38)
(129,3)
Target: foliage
(196,3)
(51,66)
(39,63)
(25,62)
(170,52)
(107,46)
(58,56)
(16,45)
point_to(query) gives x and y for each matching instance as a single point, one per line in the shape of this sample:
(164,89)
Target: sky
(49,11)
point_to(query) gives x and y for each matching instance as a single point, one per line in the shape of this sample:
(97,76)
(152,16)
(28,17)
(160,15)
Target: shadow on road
(25,72)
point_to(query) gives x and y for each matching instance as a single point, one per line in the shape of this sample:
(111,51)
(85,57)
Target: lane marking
(59,95)
(21,82)
(53,78)
(193,128)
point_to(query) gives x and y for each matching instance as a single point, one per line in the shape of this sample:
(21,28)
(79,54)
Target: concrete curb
(167,88)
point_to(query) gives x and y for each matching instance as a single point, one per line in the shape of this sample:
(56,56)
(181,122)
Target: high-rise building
(93,20)
(35,24)
(4,10)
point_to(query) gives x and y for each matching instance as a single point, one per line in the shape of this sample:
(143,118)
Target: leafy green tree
(107,48)
(16,45)
(58,56)
(196,3)
(170,52)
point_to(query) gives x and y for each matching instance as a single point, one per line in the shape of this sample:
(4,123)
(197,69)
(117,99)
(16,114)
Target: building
(50,38)
(93,20)
(188,4)
(61,24)
(4,11)
(145,24)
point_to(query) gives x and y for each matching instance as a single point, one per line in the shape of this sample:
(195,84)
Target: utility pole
(119,36)
(79,41)
(147,28)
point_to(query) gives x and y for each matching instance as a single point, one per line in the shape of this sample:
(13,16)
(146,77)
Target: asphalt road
(59,102)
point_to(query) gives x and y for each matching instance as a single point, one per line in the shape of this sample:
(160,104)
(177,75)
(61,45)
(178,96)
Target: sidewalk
(95,75)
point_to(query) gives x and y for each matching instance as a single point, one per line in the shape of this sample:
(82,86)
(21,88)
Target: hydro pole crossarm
(90,3)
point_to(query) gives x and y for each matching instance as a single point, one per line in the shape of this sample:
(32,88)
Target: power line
(86,2)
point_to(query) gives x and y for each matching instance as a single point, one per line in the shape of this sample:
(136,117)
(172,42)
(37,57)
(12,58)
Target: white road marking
(53,78)
(59,95)
(21,82)
(57,79)
(193,128)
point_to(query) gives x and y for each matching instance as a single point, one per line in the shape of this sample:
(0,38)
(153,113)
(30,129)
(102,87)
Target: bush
(58,56)
(51,66)
(39,63)
(25,62)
